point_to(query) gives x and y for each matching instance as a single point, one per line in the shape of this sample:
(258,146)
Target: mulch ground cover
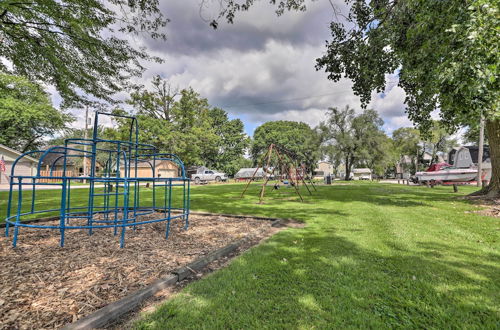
(45,286)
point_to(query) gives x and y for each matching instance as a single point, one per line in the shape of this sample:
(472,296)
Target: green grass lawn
(371,256)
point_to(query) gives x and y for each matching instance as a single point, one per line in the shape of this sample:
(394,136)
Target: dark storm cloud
(189,32)
(260,68)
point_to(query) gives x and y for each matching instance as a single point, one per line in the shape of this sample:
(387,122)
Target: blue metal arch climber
(114,194)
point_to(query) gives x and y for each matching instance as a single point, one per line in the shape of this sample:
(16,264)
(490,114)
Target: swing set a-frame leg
(255,172)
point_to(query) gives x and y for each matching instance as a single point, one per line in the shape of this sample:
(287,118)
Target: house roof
(361,170)
(17,153)
(51,157)
(145,164)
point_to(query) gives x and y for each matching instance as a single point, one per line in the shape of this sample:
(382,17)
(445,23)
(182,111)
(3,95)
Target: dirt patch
(45,286)
(488,206)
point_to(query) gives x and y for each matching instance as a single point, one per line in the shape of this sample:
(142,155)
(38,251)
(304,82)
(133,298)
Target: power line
(279,101)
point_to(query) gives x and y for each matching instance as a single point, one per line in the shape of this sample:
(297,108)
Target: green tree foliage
(471,135)
(378,153)
(296,137)
(231,142)
(406,142)
(357,139)
(445,54)
(27,114)
(76,45)
(183,123)
(413,143)
(108,133)
(236,164)
(437,140)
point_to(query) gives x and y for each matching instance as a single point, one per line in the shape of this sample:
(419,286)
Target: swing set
(283,167)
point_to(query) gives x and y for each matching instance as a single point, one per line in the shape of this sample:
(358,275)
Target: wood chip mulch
(45,286)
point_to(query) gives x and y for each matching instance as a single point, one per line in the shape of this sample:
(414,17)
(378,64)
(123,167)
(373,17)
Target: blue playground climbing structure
(121,195)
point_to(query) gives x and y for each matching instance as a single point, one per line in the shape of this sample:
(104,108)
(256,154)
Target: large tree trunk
(493,131)
(347,168)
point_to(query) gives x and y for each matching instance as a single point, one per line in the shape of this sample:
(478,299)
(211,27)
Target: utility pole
(480,152)
(85,144)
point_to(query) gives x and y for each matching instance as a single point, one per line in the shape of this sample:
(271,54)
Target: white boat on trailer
(443,172)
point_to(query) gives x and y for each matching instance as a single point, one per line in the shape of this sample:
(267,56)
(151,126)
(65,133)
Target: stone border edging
(111,312)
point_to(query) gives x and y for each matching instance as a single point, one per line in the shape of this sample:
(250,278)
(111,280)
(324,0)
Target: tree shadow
(306,279)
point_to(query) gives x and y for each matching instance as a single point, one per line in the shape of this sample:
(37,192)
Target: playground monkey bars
(119,208)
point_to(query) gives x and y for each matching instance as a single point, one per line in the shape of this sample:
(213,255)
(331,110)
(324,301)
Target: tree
(232,142)
(27,114)
(184,123)
(406,143)
(331,154)
(157,103)
(193,137)
(76,45)
(471,135)
(236,164)
(445,54)
(359,139)
(378,153)
(437,139)
(337,132)
(296,137)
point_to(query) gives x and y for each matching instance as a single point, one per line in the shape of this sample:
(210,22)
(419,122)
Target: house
(407,162)
(163,169)
(323,169)
(361,174)
(26,165)
(53,161)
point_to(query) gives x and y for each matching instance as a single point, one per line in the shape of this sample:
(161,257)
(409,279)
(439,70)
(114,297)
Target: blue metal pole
(33,197)
(62,218)
(18,215)
(169,207)
(69,199)
(184,194)
(125,212)
(188,204)
(9,204)
(154,183)
(92,174)
(117,185)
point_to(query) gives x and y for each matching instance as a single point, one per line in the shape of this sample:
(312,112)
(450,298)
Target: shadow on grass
(399,196)
(306,279)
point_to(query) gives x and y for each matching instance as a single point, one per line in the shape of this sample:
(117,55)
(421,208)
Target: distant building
(323,169)
(406,162)
(361,174)
(26,166)
(162,169)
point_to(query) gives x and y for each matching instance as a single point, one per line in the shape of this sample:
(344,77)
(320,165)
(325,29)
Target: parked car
(206,175)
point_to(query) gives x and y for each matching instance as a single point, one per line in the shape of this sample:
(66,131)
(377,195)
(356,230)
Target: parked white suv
(205,175)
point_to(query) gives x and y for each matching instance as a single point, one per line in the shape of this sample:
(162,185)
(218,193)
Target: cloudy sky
(261,68)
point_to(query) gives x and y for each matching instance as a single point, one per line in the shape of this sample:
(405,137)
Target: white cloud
(260,68)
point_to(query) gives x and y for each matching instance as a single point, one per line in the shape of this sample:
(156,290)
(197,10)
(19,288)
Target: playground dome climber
(115,195)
